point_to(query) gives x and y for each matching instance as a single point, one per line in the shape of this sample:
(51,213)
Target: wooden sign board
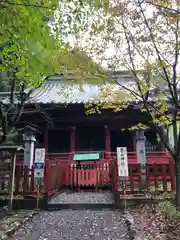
(86,157)
(122,161)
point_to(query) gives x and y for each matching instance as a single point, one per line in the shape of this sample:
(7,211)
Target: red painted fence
(60,172)
(159,177)
(90,174)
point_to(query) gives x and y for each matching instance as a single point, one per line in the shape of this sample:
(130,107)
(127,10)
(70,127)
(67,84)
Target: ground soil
(153,222)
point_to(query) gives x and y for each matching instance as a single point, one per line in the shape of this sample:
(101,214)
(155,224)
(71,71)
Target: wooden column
(108,139)
(46,140)
(73,139)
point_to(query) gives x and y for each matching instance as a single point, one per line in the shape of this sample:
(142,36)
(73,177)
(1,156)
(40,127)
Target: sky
(109,51)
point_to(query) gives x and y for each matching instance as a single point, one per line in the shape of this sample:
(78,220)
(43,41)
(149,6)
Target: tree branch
(159,56)
(131,58)
(162,7)
(176,61)
(136,95)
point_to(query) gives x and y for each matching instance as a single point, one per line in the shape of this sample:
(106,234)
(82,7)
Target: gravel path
(84,197)
(74,225)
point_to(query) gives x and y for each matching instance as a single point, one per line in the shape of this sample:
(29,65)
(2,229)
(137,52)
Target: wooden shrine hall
(59,110)
(68,128)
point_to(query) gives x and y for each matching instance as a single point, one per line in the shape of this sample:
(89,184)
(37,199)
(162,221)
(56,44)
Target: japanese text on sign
(122,162)
(39,163)
(39,155)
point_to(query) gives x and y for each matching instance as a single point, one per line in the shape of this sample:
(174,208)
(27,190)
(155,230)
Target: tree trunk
(177,166)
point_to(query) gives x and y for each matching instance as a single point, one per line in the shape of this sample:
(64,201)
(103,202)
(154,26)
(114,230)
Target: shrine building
(65,127)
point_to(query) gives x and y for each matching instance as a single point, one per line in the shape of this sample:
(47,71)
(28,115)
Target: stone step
(69,197)
(81,206)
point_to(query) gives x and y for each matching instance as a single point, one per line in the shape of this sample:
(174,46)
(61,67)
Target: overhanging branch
(175,11)
(158,55)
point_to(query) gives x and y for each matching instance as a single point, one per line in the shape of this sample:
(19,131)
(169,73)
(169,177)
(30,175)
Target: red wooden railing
(24,182)
(59,156)
(159,176)
(60,170)
(54,176)
(135,176)
(151,157)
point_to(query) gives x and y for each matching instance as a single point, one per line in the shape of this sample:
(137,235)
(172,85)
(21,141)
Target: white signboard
(122,160)
(39,155)
(39,163)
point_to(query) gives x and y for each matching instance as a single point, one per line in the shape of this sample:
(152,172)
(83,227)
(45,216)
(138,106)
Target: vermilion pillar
(73,139)
(108,139)
(46,139)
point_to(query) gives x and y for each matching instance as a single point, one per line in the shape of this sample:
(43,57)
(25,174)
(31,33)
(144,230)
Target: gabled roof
(56,90)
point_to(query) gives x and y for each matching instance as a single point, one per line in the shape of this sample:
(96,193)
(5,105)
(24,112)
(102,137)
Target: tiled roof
(55,90)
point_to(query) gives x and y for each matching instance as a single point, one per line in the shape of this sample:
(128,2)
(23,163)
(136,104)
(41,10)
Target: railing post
(115,176)
(108,141)
(67,168)
(48,178)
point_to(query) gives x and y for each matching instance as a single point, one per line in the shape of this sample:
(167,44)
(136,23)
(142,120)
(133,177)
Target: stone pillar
(140,147)
(29,140)
(108,139)
(73,139)
(141,155)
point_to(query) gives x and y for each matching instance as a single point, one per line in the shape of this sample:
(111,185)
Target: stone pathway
(74,225)
(84,197)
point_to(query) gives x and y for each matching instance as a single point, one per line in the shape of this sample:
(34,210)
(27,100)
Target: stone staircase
(82,200)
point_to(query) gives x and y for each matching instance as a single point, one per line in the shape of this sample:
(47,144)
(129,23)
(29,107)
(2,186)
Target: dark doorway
(121,139)
(58,141)
(90,139)
(39,140)
(152,143)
